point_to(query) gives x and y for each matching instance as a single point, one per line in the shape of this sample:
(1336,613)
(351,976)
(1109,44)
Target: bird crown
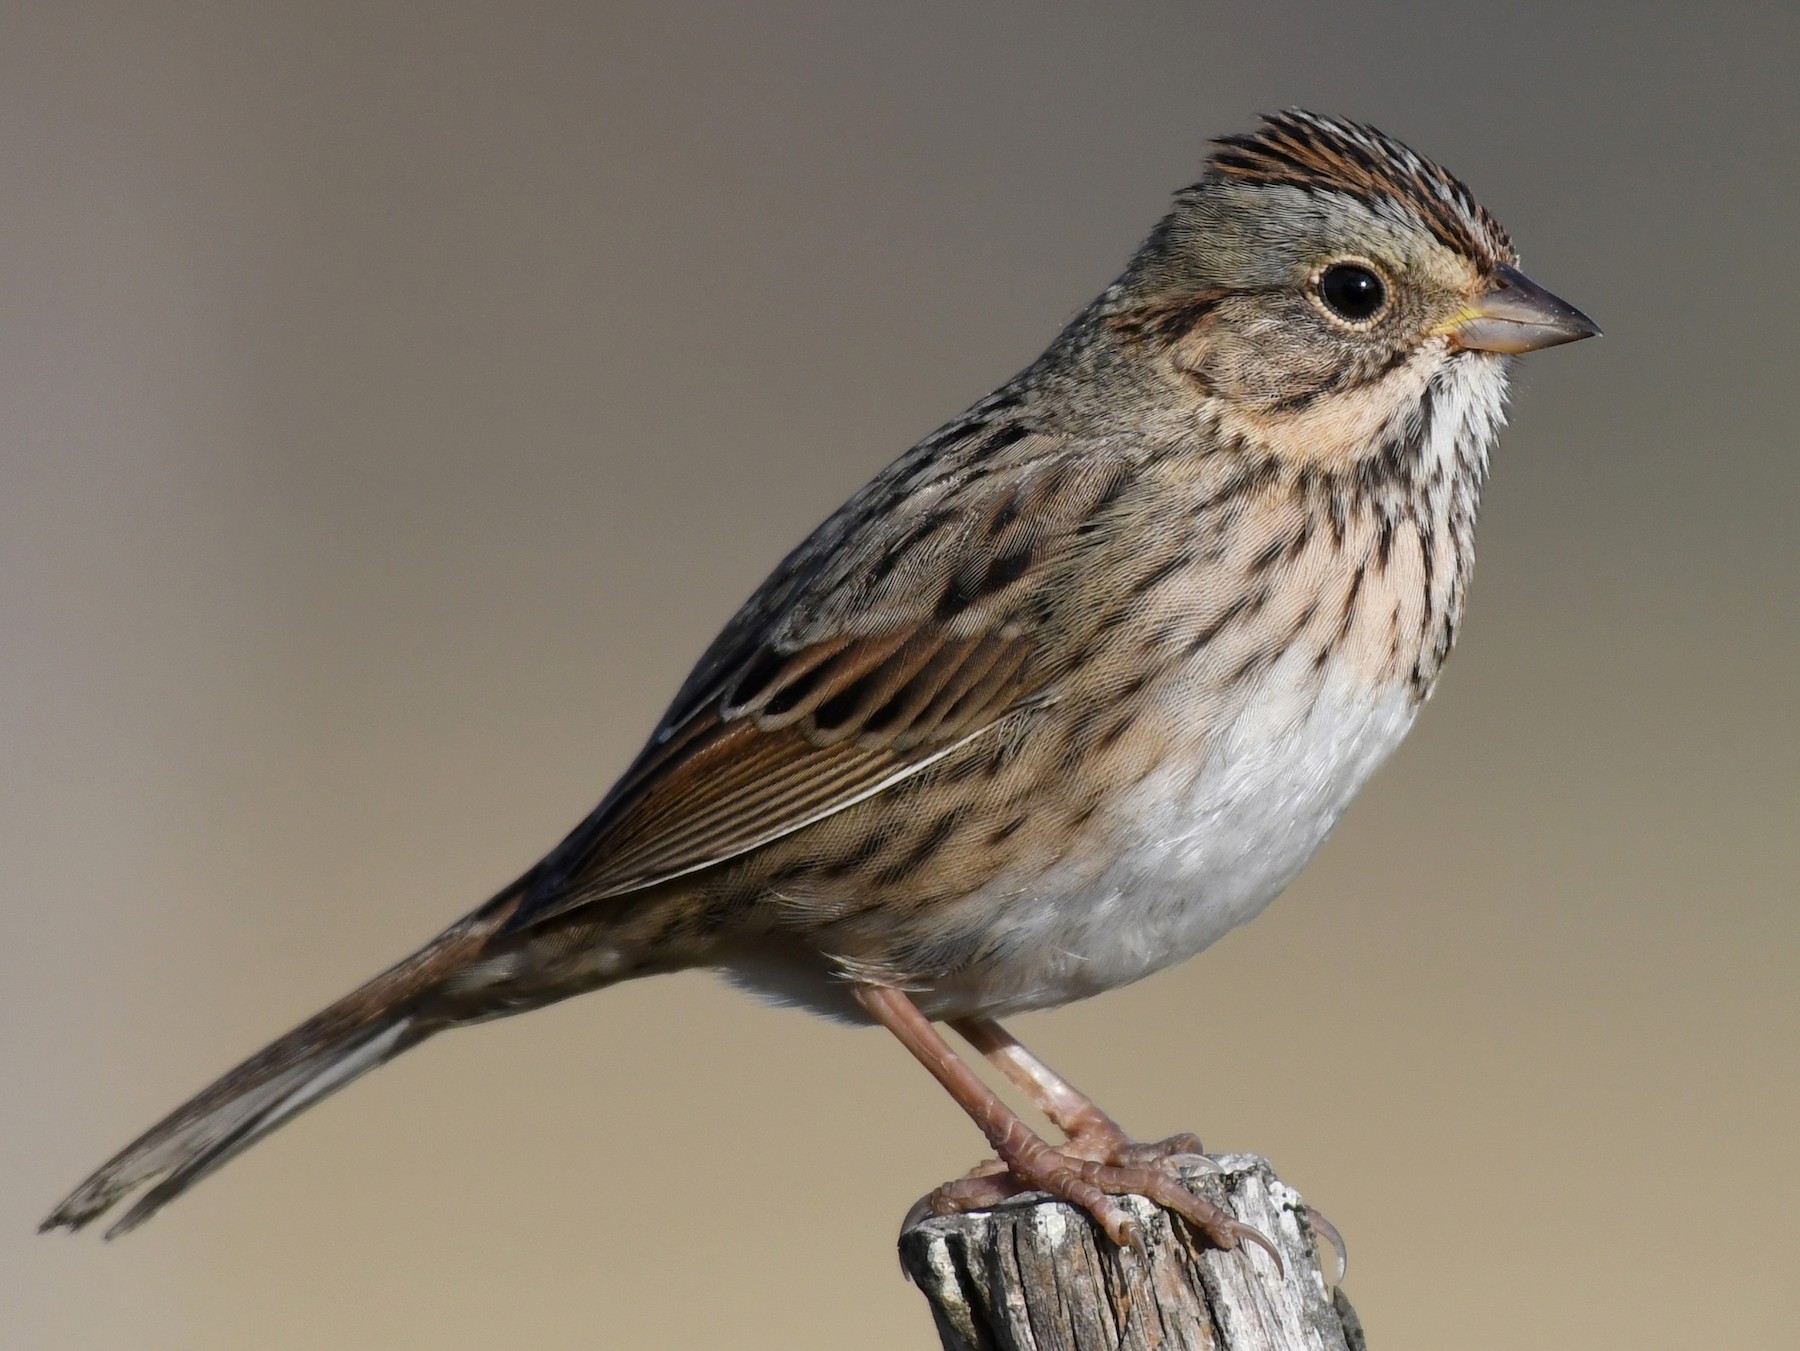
(1306,150)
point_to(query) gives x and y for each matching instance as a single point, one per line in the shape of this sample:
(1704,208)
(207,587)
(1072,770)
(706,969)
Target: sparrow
(1073,687)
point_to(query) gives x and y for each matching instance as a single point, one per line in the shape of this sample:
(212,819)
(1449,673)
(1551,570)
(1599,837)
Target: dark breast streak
(1207,576)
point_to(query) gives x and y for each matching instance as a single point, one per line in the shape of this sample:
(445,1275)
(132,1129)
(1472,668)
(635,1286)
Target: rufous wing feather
(819,695)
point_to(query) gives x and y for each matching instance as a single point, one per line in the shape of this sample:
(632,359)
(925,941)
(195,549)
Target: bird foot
(1089,1171)
(1110,1145)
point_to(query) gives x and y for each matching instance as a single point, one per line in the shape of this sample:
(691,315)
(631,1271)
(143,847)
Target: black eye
(1352,291)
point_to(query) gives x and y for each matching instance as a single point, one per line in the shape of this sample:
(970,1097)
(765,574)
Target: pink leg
(1092,1133)
(1031,1163)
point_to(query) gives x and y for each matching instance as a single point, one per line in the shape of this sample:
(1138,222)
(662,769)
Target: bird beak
(1517,315)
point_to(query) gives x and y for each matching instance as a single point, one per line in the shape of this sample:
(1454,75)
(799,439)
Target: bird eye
(1352,292)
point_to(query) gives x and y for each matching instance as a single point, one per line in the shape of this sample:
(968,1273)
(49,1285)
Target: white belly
(1205,847)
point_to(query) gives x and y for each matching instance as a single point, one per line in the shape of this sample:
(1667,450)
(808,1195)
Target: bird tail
(368,1027)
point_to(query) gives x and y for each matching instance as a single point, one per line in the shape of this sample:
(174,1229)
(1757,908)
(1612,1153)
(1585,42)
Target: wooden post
(1036,1275)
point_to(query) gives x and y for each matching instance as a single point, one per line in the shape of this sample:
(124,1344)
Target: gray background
(395,399)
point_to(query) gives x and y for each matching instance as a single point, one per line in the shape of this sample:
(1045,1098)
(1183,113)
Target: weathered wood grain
(1035,1275)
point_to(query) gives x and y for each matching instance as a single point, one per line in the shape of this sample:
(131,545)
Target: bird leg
(1092,1134)
(1026,1162)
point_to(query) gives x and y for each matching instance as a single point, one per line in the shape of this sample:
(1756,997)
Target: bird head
(1320,277)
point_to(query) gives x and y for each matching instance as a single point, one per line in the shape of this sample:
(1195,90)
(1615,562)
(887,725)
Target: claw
(1256,1236)
(1325,1227)
(1114,1221)
(921,1210)
(1198,1163)
(1133,1236)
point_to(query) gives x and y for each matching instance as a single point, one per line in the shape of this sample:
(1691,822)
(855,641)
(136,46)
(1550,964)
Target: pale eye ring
(1352,291)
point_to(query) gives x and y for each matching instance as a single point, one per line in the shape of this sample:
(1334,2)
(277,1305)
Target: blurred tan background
(394,399)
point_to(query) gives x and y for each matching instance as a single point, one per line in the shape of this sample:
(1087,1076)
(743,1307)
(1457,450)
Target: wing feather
(911,622)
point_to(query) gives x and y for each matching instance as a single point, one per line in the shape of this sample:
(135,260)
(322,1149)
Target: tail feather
(366,1028)
(203,1153)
